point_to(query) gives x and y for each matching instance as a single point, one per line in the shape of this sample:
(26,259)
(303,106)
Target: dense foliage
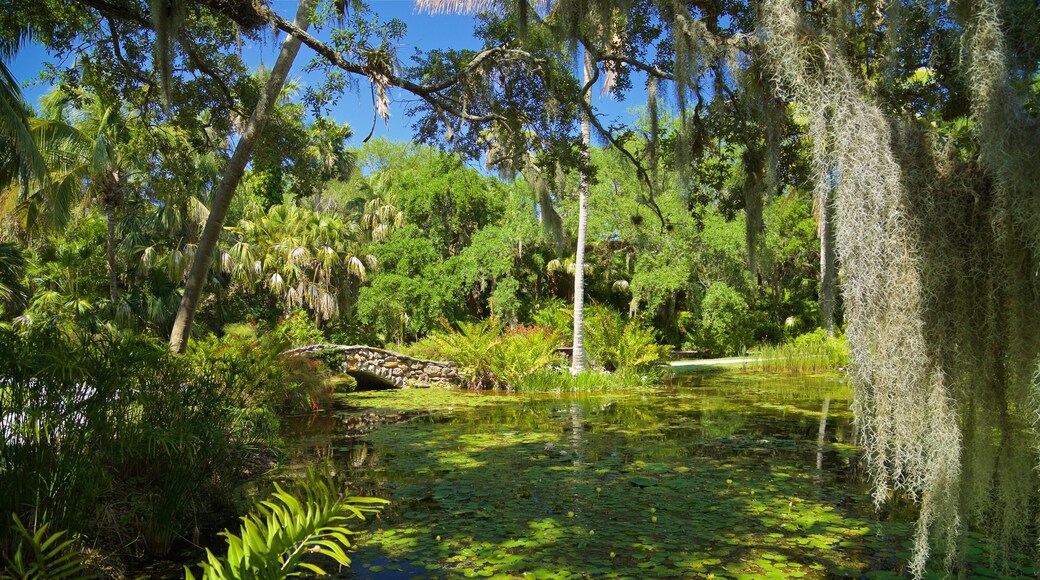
(163,190)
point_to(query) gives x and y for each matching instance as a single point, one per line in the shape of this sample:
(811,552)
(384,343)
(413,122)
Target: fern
(616,344)
(471,347)
(44,556)
(274,542)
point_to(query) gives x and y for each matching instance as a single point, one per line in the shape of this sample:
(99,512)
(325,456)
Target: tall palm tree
(578,356)
(89,164)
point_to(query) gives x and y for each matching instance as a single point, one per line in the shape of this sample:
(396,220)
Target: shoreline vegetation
(230,391)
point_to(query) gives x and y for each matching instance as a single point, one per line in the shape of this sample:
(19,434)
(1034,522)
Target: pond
(714,475)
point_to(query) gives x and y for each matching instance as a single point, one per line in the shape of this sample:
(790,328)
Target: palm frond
(15,128)
(273,542)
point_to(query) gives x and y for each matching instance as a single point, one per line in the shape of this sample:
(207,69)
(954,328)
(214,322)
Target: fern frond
(273,541)
(45,556)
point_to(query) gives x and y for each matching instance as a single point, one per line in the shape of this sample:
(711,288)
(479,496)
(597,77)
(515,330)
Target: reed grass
(561,381)
(799,357)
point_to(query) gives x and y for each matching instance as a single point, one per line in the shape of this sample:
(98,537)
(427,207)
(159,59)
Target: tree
(198,69)
(21,160)
(304,258)
(229,182)
(578,356)
(936,245)
(91,163)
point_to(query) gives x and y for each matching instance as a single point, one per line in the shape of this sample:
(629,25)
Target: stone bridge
(377,368)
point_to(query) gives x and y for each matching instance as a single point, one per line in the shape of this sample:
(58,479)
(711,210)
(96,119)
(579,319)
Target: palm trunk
(110,252)
(578,351)
(229,182)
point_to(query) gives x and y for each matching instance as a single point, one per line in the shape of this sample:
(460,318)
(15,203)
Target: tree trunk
(828,265)
(578,351)
(229,182)
(110,252)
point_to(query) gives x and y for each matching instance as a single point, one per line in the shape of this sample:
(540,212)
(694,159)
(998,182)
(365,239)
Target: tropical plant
(12,269)
(21,161)
(41,555)
(470,347)
(553,314)
(305,258)
(616,344)
(283,534)
(522,350)
(491,355)
(90,162)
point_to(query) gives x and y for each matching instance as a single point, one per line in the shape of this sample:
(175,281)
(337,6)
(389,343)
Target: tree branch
(428,93)
(644,176)
(118,52)
(649,69)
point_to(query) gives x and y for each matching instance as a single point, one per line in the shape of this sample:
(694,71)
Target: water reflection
(712,474)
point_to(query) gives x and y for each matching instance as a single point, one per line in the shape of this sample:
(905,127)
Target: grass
(805,355)
(561,381)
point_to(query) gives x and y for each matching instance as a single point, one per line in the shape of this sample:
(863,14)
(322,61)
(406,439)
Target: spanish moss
(939,293)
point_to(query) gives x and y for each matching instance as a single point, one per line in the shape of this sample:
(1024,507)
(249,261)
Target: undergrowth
(527,358)
(562,381)
(809,353)
(492,355)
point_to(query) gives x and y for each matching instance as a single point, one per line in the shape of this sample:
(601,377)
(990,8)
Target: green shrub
(555,315)
(491,355)
(522,350)
(250,362)
(298,329)
(470,347)
(615,344)
(725,327)
(112,436)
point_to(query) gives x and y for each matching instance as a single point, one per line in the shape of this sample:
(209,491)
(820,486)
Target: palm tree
(307,259)
(578,356)
(20,159)
(86,150)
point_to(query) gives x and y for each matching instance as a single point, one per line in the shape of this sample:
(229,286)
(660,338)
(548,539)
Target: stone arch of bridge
(378,368)
(369,381)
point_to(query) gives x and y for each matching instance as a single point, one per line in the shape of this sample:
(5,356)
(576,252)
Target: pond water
(714,475)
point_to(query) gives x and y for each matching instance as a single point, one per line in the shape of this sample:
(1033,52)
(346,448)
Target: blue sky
(425,32)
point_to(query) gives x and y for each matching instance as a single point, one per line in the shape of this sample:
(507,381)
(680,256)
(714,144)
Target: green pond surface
(714,475)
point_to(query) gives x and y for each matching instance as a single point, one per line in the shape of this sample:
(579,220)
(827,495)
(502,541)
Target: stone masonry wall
(400,370)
